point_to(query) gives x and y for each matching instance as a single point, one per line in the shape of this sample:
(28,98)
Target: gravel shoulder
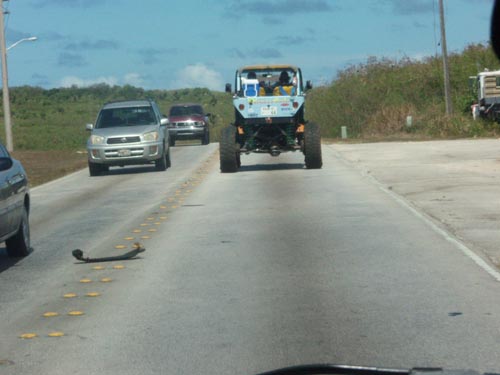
(455,182)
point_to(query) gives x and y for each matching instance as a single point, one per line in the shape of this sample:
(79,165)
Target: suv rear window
(186,110)
(129,116)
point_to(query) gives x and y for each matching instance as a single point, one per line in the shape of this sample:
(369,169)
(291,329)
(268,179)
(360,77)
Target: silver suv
(127,133)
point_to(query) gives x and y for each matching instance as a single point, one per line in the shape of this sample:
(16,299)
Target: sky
(172,44)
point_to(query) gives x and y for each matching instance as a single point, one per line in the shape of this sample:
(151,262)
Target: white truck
(487,87)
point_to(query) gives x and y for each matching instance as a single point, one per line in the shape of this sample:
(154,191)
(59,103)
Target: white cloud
(199,75)
(134,79)
(80,82)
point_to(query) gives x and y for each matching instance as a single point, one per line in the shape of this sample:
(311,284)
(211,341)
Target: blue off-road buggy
(269,117)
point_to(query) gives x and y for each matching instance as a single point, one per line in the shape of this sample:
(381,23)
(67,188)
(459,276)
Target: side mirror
(164,121)
(5,163)
(309,85)
(228,88)
(89,127)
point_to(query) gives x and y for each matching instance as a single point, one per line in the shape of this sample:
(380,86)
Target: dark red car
(188,121)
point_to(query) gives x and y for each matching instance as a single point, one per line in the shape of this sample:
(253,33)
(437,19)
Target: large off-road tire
(19,244)
(95,169)
(312,146)
(228,151)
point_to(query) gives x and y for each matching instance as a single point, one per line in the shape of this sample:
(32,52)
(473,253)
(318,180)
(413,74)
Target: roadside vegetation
(372,100)
(55,119)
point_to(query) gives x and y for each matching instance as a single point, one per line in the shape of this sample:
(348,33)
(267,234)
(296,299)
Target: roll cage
(268,77)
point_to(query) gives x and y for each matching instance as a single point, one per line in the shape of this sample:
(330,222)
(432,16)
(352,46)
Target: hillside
(372,100)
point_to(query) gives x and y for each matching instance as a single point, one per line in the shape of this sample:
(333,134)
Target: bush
(373,99)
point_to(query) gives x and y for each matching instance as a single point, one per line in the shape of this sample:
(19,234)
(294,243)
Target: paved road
(273,266)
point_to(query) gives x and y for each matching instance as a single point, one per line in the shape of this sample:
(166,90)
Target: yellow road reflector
(98,268)
(150,218)
(189,191)
(28,335)
(106,280)
(144,224)
(50,314)
(157,223)
(174,207)
(152,230)
(129,238)
(75,313)
(145,237)
(178,192)
(120,247)
(163,217)
(163,207)
(118,267)
(70,295)
(56,334)
(93,294)
(137,231)
(171,199)
(85,281)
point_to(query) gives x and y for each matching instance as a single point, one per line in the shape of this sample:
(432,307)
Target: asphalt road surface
(272,266)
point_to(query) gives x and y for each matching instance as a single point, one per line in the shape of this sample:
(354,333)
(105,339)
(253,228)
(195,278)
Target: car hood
(124,131)
(186,118)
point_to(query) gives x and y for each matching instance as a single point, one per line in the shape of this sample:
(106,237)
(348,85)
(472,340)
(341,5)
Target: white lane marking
(447,236)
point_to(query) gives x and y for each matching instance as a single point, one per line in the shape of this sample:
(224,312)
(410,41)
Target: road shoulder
(456,183)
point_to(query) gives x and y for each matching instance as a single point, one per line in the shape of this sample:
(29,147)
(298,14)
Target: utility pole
(447,90)
(5,85)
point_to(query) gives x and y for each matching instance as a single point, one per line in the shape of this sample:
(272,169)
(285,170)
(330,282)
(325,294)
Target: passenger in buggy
(284,87)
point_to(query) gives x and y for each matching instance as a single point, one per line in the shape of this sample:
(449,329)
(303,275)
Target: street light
(5,82)
(30,39)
